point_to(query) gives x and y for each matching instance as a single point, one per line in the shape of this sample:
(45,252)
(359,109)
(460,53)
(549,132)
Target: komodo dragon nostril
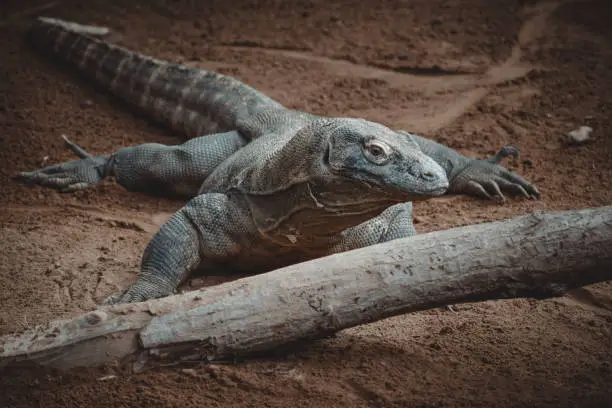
(428,175)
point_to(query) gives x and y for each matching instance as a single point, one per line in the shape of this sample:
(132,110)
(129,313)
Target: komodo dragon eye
(377,152)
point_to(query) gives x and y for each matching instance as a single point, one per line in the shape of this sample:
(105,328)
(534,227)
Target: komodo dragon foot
(487,179)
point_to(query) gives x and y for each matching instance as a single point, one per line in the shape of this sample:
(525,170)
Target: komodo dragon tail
(191,101)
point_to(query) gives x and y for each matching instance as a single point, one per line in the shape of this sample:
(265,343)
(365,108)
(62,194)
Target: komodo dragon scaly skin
(268,186)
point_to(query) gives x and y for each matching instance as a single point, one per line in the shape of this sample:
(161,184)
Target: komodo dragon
(268,186)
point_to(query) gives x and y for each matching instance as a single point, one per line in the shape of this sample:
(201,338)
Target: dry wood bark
(539,255)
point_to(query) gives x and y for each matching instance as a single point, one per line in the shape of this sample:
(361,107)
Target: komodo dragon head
(384,161)
(335,173)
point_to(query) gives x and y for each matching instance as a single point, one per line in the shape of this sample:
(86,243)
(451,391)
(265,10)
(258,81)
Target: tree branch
(539,255)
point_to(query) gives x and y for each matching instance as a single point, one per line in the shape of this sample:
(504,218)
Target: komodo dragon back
(191,101)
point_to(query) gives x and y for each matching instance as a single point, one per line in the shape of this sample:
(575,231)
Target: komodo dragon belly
(260,258)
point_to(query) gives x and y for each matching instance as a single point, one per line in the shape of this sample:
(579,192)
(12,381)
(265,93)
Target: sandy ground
(473,74)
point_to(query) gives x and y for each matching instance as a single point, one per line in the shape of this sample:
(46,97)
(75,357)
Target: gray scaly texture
(268,186)
(191,101)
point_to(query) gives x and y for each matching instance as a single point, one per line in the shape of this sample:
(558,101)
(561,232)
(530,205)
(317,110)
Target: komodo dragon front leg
(210,227)
(482,178)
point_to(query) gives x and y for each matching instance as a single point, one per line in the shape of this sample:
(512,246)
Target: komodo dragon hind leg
(393,223)
(76,149)
(151,167)
(503,153)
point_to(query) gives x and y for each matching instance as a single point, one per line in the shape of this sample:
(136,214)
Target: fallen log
(538,255)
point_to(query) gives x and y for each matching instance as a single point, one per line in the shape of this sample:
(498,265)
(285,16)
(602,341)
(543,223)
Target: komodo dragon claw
(487,179)
(70,176)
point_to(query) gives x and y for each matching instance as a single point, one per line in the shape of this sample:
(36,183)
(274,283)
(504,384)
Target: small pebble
(190,372)
(580,135)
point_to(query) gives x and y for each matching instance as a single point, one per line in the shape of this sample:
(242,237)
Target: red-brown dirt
(473,74)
